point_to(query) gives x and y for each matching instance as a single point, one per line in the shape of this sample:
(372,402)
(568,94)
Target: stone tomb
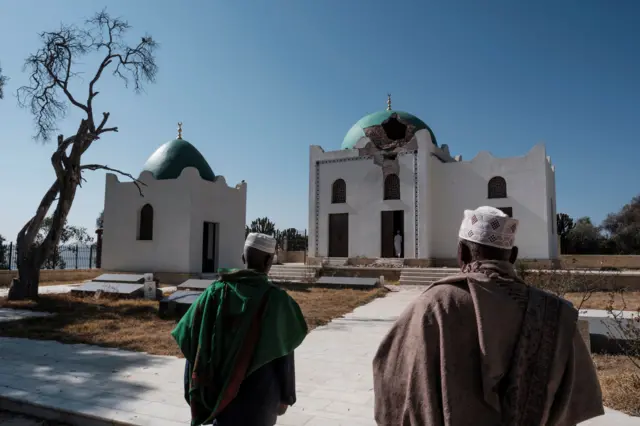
(122,285)
(347,282)
(197,285)
(609,335)
(177,303)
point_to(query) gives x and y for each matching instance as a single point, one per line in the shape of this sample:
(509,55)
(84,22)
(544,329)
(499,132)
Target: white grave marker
(149,287)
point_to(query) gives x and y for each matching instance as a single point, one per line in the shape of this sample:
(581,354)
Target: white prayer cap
(489,226)
(262,242)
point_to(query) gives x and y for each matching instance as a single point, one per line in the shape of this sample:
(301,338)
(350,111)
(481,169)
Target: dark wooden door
(209,247)
(386,234)
(339,235)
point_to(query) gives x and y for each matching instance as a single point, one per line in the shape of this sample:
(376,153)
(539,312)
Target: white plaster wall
(365,183)
(218,203)
(180,207)
(121,250)
(426,182)
(446,187)
(554,251)
(463,185)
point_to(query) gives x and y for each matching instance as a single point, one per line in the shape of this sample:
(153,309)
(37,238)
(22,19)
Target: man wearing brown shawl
(482,348)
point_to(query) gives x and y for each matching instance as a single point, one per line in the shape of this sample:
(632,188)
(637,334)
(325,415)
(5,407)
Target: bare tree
(3,82)
(48,96)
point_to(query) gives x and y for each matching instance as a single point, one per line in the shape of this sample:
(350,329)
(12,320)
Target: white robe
(397,244)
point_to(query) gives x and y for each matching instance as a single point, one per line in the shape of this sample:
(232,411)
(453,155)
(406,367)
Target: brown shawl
(482,348)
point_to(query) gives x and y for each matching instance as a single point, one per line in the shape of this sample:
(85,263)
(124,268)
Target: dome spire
(388,101)
(180,130)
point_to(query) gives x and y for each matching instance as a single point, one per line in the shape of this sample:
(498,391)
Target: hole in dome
(394,129)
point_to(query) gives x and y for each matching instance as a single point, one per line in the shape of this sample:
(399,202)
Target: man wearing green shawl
(238,339)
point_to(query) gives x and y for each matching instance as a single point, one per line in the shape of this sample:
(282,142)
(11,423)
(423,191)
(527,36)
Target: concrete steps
(334,261)
(292,272)
(424,276)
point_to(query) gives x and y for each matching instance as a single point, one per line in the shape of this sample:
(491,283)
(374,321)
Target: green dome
(173,157)
(377,119)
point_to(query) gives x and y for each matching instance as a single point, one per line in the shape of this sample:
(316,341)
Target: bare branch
(3,82)
(102,167)
(51,70)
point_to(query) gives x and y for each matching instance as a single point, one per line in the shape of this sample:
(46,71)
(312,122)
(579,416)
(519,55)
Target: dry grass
(620,383)
(49,283)
(602,300)
(135,324)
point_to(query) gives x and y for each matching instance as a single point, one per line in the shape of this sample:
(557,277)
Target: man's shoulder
(446,294)
(564,303)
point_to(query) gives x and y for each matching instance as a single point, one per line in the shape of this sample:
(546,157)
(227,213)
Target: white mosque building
(391,176)
(187,221)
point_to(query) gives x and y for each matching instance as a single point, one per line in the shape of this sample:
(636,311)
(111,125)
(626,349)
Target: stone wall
(291,256)
(390,274)
(59,275)
(570,261)
(595,262)
(80,275)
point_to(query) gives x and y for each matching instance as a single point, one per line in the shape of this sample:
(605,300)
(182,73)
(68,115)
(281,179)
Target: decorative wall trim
(416,205)
(343,160)
(317,208)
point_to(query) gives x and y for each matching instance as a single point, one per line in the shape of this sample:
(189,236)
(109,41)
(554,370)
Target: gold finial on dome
(180,130)
(388,101)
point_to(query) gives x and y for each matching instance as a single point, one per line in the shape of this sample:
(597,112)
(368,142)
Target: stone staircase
(334,261)
(424,276)
(292,272)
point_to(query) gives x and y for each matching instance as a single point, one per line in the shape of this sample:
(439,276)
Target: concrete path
(66,288)
(333,373)
(46,289)
(7,315)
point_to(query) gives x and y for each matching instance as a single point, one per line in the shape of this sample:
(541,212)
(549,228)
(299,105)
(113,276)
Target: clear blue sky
(257,82)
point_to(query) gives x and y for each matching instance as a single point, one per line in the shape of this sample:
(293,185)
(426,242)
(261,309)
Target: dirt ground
(620,382)
(135,324)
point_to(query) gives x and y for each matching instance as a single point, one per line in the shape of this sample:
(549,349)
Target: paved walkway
(333,373)
(46,289)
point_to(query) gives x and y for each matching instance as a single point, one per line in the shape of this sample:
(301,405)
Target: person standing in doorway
(397,243)
(238,339)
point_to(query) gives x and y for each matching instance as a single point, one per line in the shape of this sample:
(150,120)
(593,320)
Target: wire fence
(70,256)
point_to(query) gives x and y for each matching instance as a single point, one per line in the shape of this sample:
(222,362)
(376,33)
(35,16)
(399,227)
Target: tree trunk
(26,286)
(31,256)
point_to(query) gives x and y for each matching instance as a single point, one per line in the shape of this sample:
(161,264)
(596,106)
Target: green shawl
(237,325)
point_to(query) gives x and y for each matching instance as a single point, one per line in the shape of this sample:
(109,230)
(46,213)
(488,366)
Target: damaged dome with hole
(386,129)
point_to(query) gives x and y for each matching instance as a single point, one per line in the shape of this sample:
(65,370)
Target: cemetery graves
(120,285)
(347,282)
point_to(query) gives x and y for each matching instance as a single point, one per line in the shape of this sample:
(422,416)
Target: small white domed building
(187,221)
(391,177)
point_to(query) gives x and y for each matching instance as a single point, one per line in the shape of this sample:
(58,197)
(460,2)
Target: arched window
(497,187)
(392,187)
(339,192)
(145,230)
